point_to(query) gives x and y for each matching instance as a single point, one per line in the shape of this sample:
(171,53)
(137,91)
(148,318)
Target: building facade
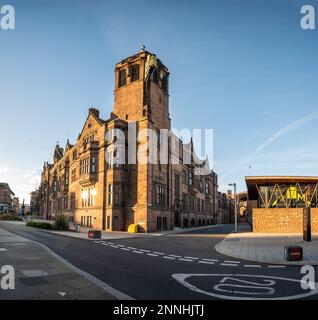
(15,205)
(277,203)
(87,183)
(6,195)
(35,202)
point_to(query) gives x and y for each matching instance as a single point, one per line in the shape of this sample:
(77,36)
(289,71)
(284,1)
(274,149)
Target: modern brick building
(277,203)
(87,183)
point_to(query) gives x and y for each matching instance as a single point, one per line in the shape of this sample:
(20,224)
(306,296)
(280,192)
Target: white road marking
(105,244)
(125,249)
(206,262)
(143,250)
(194,258)
(3,249)
(171,258)
(156,252)
(132,248)
(138,252)
(152,255)
(120,245)
(204,259)
(276,266)
(183,279)
(228,261)
(175,256)
(228,265)
(62,293)
(114,246)
(252,266)
(188,260)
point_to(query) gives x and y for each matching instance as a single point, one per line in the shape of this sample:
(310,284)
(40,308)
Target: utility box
(94,234)
(294,253)
(77,228)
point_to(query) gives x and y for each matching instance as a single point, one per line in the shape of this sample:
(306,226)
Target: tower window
(135,72)
(155,76)
(122,78)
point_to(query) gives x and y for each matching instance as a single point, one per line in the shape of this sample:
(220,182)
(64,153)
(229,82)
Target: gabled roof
(94,113)
(6,186)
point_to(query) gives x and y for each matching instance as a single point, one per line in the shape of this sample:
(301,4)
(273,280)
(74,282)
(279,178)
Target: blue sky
(244,68)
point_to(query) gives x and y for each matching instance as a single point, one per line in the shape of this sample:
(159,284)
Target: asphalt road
(182,266)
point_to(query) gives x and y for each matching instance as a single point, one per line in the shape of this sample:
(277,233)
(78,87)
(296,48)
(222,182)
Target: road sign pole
(307,224)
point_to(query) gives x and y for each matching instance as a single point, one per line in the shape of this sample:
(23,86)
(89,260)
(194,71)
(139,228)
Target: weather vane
(143,47)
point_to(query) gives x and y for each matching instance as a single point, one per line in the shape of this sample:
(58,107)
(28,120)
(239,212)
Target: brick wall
(282,220)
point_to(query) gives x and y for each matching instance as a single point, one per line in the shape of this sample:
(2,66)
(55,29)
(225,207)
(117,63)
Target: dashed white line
(120,245)
(228,265)
(213,260)
(174,256)
(193,258)
(125,249)
(114,246)
(152,255)
(183,259)
(206,262)
(276,266)
(171,258)
(228,261)
(138,252)
(156,252)
(252,266)
(3,249)
(132,248)
(143,250)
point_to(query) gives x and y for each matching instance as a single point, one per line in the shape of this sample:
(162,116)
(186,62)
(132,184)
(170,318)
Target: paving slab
(39,275)
(268,248)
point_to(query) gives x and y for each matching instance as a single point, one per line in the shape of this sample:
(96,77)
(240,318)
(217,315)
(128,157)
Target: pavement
(41,275)
(117,235)
(183,266)
(267,248)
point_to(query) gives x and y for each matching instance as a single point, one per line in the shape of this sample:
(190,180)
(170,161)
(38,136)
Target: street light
(235,209)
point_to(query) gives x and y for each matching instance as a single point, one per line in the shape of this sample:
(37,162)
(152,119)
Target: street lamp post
(235,206)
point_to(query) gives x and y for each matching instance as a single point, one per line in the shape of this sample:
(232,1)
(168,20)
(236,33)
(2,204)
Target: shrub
(40,225)
(10,217)
(61,223)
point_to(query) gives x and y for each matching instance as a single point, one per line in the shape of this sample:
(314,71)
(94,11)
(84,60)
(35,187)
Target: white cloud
(21,181)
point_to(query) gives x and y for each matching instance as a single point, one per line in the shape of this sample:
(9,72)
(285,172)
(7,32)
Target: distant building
(15,205)
(242,206)
(35,202)
(6,195)
(24,209)
(225,213)
(277,203)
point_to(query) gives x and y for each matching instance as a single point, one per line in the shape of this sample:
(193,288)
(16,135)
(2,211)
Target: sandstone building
(87,183)
(6,195)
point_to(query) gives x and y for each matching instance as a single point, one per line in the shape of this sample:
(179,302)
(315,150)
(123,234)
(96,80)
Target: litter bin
(77,228)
